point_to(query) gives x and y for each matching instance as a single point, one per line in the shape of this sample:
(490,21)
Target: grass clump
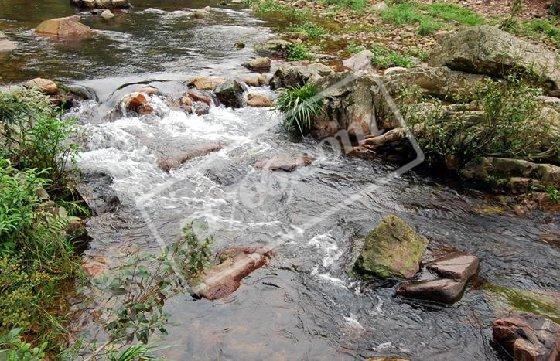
(297,52)
(384,57)
(273,7)
(429,17)
(547,30)
(355,5)
(300,106)
(313,31)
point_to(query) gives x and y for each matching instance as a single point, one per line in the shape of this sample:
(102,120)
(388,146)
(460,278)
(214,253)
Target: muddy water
(304,305)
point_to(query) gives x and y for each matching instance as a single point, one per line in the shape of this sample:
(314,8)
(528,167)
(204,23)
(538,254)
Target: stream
(304,305)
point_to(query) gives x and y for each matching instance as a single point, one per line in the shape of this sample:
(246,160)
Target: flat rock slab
(284,162)
(441,290)
(168,163)
(528,337)
(458,266)
(236,264)
(68,28)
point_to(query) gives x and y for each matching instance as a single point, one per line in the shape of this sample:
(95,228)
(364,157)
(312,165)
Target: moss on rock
(392,249)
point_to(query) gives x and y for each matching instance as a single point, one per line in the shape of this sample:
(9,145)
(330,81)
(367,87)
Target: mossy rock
(392,249)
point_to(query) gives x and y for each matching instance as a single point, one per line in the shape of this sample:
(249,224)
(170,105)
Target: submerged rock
(297,74)
(259,65)
(284,162)
(45,86)
(488,50)
(236,264)
(232,93)
(168,163)
(69,28)
(197,101)
(259,100)
(392,249)
(528,337)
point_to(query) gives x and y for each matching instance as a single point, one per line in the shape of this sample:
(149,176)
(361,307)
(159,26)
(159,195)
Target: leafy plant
(13,348)
(298,52)
(553,193)
(300,106)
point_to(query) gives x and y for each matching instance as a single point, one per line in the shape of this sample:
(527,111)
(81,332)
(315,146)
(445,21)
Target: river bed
(304,305)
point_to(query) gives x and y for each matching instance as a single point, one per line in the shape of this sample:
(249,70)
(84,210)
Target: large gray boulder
(488,50)
(347,105)
(297,74)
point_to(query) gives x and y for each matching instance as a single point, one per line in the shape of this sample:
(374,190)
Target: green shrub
(34,136)
(553,194)
(13,348)
(355,5)
(298,52)
(300,106)
(510,125)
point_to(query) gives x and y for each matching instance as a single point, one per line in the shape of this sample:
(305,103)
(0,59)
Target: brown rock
(149,90)
(252,80)
(258,100)
(442,290)
(528,337)
(69,28)
(223,279)
(46,86)
(284,162)
(259,65)
(137,102)
(206,82)
(458,266)
(95,266)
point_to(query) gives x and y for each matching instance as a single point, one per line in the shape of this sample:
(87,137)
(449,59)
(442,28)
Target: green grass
(300,107)
(384,57)
(355,5)
(298,52)
(313,31)
(540,29)
(273,7)
(429,17)
(553,194)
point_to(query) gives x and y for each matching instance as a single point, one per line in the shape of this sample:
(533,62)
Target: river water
(303,305)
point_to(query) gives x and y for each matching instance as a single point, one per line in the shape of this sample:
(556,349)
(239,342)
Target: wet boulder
(528,337)
(275,48)
(68,28)
(392,249)
(206,82)
(232,93)
(235,264)
(136,102)
(6,44)
(259,100)
(284,162)
(297,74)
(488,50)
(45,86)
(201,13)
(445,281)
(393,145)
(258,65)
(101,4)
(197,101)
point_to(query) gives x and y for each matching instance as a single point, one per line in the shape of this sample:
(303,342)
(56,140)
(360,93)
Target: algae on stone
(392,249)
